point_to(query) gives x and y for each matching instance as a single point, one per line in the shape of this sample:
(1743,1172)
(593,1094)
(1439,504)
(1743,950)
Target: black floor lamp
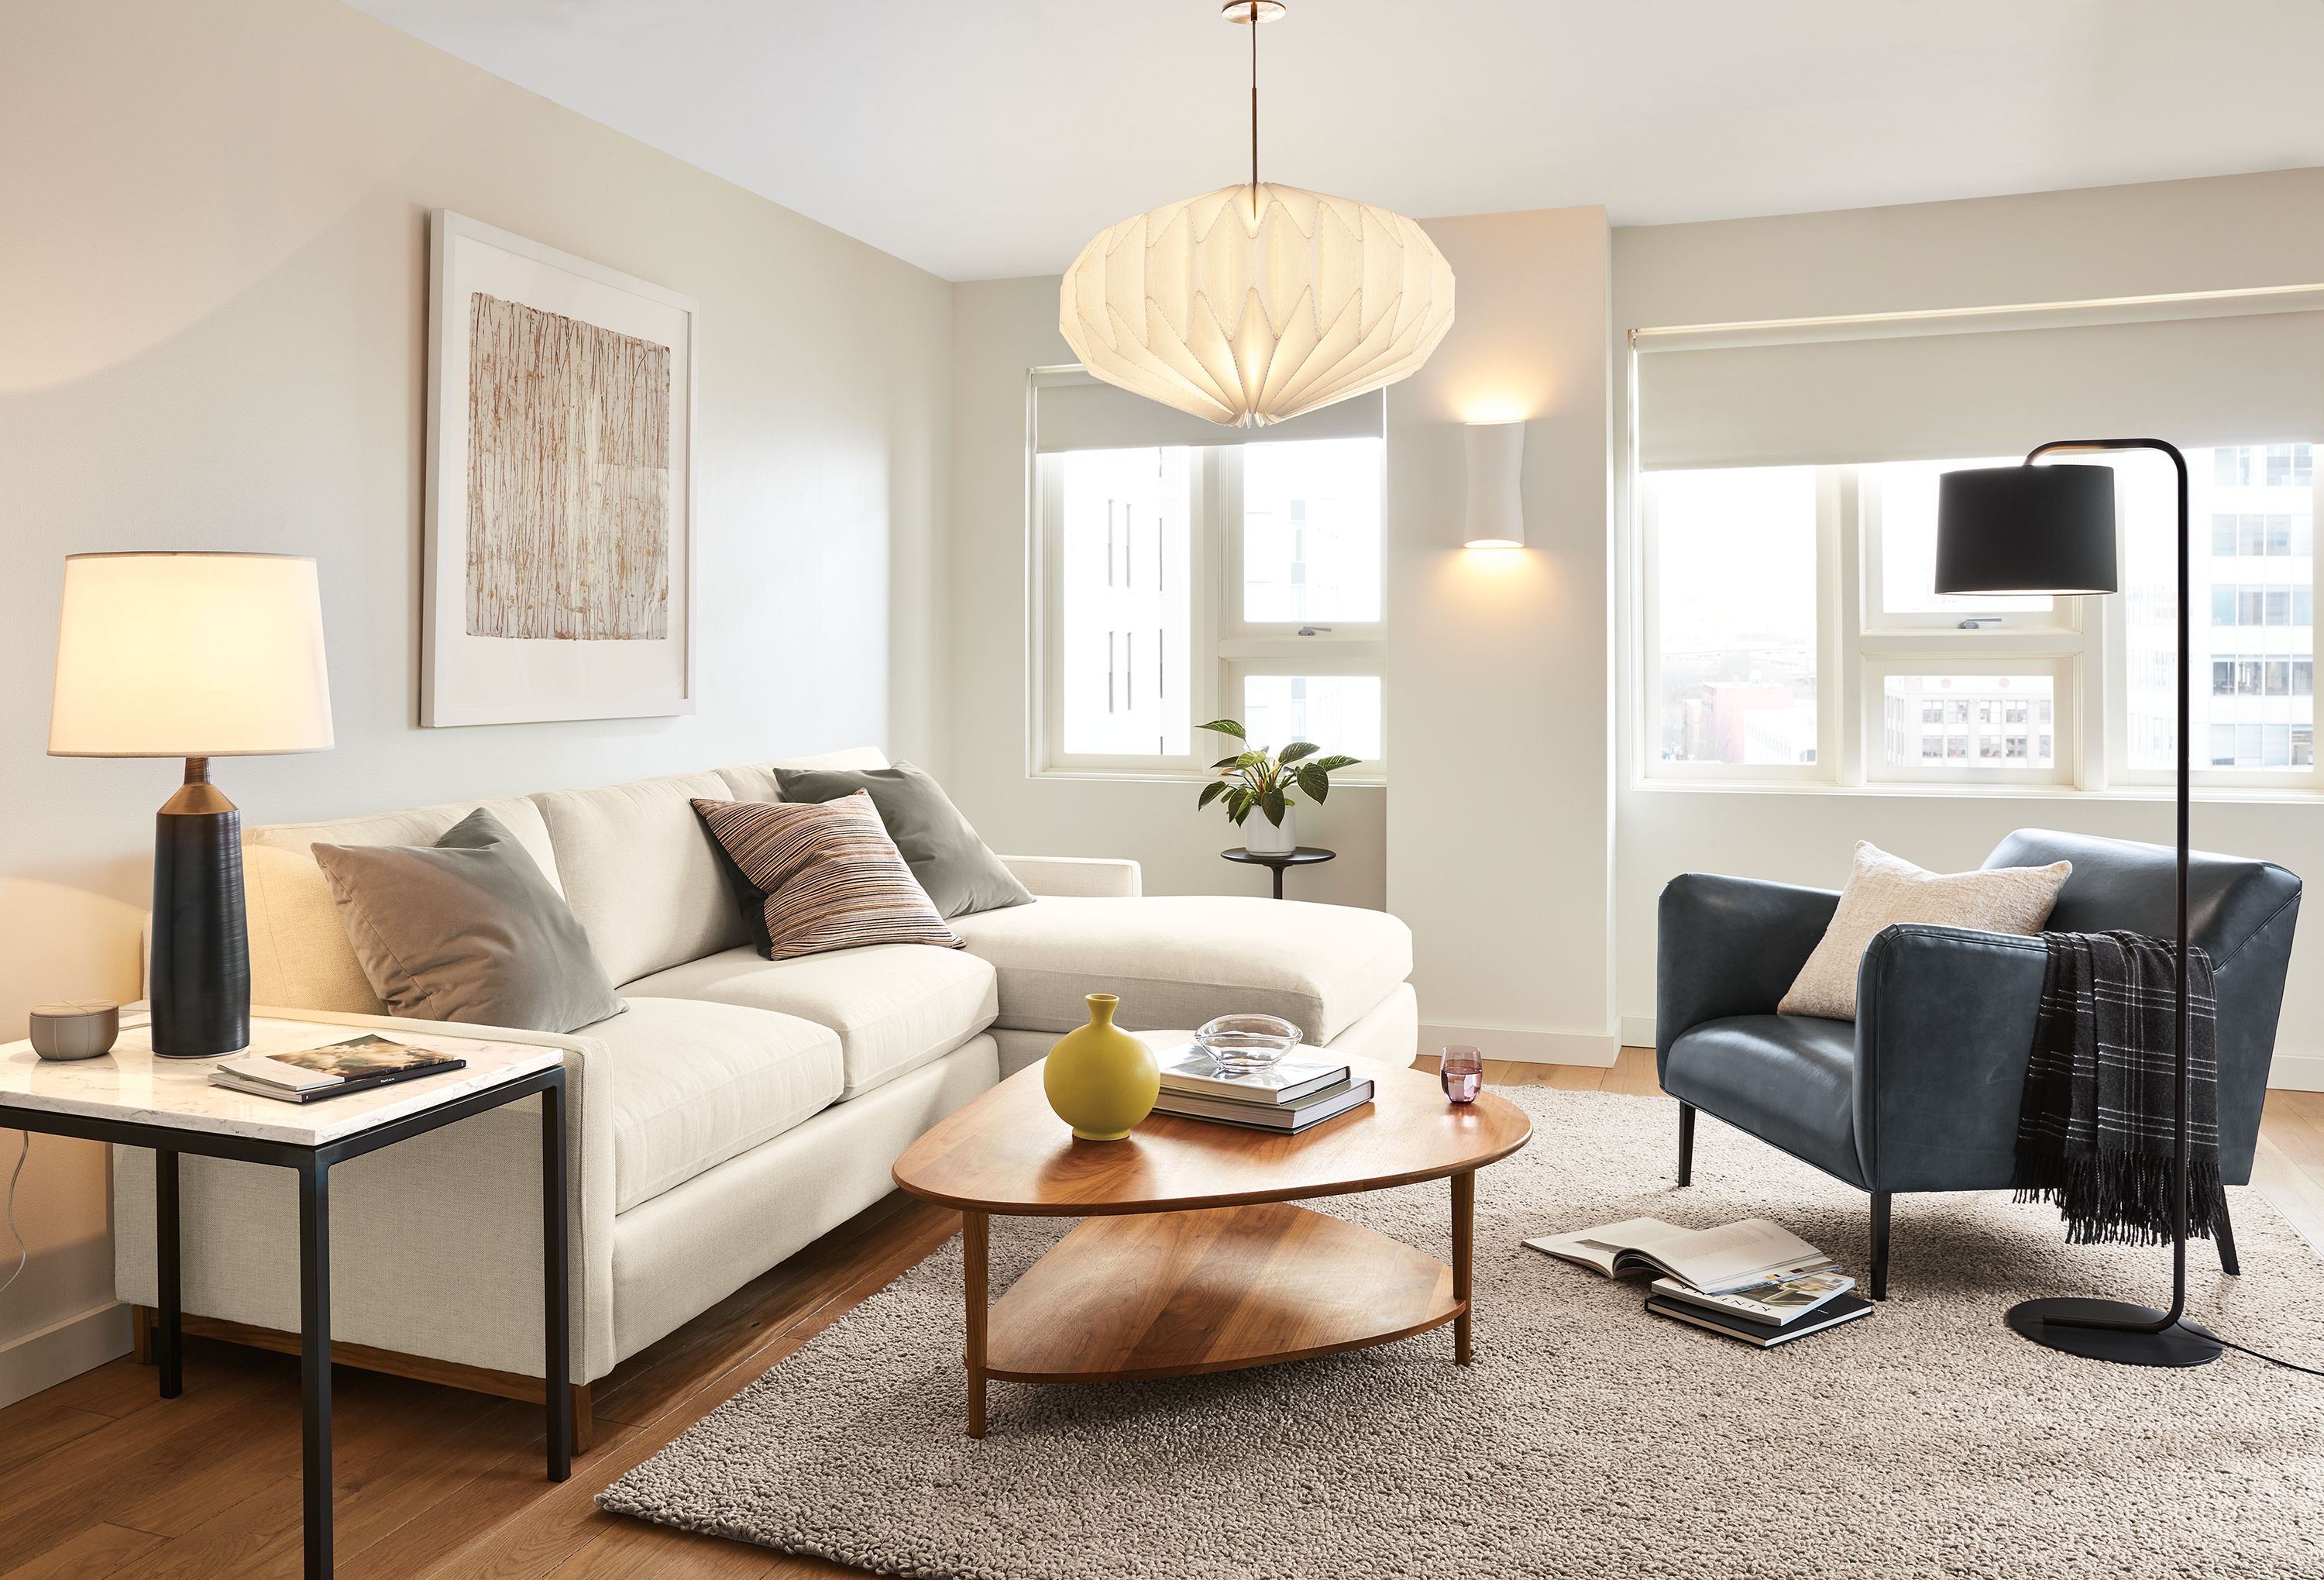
(2028,530)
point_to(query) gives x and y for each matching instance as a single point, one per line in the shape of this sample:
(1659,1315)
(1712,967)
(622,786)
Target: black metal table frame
(312,1164)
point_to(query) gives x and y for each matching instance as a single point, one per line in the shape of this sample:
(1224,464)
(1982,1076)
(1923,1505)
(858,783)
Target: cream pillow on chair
(1884,889)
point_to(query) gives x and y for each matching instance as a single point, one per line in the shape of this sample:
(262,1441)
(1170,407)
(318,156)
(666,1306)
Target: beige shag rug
(1590,1439)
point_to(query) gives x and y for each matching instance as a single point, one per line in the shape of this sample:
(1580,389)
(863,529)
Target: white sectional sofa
(739,1109)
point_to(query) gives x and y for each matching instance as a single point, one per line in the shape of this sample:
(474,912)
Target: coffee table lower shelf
(1172,1294)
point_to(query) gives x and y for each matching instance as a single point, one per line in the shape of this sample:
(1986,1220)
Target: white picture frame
(526,623)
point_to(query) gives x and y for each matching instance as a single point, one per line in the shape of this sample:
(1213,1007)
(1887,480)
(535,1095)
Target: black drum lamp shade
(2027,528)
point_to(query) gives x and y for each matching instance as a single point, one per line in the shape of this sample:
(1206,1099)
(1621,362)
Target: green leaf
(1251,759)
(1225,726)
(1233,762)
(1238,802)
(1272,805)
(1298,749)
(1212,792)
(1315,782)
(1334,764)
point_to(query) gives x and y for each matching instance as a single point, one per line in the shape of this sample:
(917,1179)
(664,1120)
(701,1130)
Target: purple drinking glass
(1461,1073)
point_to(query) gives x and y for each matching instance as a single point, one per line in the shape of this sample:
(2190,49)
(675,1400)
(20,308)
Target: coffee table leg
(1464,1233)
(975,1238)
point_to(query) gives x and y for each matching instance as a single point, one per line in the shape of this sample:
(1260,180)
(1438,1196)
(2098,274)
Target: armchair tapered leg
(1686,1143)
(2229,1264)
(1879,1246)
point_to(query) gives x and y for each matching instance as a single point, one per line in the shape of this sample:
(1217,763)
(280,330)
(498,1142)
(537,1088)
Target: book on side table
(308,1074)
(1289,1096)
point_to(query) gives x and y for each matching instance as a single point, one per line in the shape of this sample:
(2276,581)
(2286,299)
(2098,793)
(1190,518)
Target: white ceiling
(990,138)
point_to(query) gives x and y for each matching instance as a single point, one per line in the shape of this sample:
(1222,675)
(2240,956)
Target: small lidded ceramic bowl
(1247,1042)
(70,1031)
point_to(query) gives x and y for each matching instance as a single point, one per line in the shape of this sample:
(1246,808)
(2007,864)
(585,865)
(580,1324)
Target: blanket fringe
(2113,1197)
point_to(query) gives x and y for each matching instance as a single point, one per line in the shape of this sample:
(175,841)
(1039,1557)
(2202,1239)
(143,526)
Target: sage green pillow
(467,929)
(960,873)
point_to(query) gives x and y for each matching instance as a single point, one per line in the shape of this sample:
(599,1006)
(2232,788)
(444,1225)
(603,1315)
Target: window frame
(1859,645)
(1225,648)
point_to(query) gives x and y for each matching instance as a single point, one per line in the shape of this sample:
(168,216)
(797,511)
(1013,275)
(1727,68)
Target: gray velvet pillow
(960,873)
(467,929)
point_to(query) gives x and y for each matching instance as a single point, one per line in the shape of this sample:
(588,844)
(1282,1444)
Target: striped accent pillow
(832,877)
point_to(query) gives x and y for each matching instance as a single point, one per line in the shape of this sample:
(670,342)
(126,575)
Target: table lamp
(193,656)
(2030,529)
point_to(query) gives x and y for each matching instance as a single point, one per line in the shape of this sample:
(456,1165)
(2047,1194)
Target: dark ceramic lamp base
(200,992)
(2055,1323)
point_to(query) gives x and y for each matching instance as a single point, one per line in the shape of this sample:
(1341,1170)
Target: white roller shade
(1076,412)
(1919,391)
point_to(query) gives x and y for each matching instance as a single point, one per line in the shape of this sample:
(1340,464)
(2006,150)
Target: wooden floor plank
(1632,1074)
(42,1429)
(97,1551)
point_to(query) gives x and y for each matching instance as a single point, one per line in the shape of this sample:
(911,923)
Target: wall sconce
(1495,518)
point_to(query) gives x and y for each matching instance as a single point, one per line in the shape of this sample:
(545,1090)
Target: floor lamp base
(2187,1343)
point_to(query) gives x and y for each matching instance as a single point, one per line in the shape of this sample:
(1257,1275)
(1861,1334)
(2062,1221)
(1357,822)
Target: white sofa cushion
(1177,960)
(299,956)
(641,873)
(755,781)
(894,1006)
(691,1083)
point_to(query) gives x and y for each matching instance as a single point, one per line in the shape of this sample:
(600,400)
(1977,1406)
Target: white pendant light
(1257,302)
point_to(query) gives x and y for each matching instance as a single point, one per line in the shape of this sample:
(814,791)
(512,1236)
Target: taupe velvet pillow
(959,872)
(467,929)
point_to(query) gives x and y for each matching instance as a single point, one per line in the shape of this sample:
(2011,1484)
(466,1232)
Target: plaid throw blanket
(2094,1126)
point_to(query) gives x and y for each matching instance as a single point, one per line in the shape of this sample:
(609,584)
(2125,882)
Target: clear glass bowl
(1247,1042)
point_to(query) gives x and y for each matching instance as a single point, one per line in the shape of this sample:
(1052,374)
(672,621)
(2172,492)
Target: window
(1793,631)
(1124,576)
(1735,614)
(1180,583)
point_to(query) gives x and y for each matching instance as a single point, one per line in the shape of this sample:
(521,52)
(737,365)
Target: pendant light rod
(1250,13)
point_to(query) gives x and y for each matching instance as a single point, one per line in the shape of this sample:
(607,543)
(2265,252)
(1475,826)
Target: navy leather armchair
(1921,1090)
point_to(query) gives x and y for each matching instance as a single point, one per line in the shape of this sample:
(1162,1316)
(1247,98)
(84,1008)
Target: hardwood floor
(99,1477)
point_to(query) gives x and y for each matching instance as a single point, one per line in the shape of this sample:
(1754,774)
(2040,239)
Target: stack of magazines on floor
(1288,1097)
(1752,1281)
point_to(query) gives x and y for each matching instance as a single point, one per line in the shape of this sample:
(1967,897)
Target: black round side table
(1306,855)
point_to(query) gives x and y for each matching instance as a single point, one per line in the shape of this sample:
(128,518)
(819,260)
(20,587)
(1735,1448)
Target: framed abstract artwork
(559,566)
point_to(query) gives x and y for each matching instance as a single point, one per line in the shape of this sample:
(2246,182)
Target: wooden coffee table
(1192,1258)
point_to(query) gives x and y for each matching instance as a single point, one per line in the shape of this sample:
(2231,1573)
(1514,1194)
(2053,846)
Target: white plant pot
(1261,838)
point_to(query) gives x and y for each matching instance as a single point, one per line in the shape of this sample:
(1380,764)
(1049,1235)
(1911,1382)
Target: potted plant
(1263,780)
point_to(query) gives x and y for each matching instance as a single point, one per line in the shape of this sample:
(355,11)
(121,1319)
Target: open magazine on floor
(1717,1262)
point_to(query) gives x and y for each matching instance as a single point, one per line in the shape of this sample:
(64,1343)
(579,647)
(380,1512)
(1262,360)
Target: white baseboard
(1526,1046)
(1637,1030)
(61,1350)
(2297,1072)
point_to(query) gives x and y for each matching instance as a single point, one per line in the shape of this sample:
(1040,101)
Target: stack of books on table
(1288,1097)
(1752,1281)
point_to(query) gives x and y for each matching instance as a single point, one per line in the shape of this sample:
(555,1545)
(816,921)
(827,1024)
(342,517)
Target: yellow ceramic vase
(1099,1078)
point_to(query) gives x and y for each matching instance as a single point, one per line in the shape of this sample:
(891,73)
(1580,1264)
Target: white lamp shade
(1251,304)
(1496,513)
(190,655)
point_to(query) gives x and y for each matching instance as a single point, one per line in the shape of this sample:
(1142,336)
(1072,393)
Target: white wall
(2057,246)
(212,299)
(1500,820)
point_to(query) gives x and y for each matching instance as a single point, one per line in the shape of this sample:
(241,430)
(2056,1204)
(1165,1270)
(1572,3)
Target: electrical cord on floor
(2271,1360)
(23,1251)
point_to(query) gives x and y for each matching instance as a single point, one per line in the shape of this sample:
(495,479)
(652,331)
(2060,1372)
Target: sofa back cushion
(755,781)
(300,956)
(640,872)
